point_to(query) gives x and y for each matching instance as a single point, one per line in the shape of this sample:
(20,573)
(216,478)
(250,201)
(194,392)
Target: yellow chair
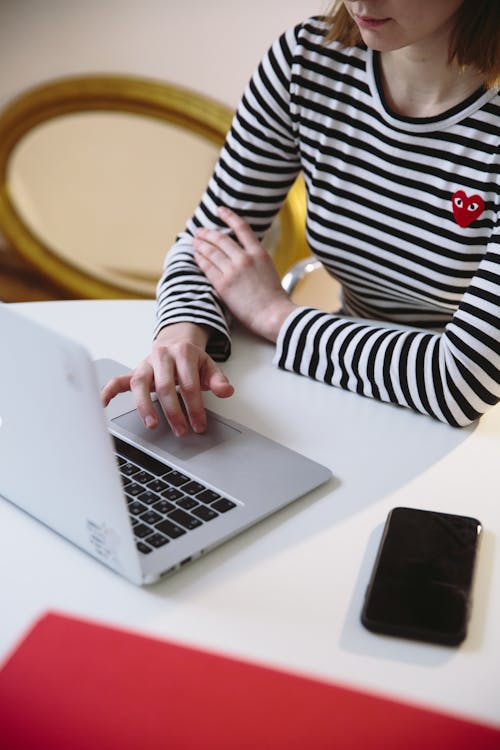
(308,283)
(304,278)
(82,235)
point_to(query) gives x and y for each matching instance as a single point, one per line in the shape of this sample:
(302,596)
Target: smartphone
(421,583)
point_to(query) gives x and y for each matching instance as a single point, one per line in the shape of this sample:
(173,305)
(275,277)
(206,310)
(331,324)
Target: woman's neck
(421,83)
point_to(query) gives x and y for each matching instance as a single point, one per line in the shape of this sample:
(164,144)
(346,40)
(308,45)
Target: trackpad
(163,438)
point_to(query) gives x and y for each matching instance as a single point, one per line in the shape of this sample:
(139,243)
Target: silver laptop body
(58,463)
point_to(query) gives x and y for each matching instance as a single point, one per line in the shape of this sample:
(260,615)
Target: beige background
(212,47)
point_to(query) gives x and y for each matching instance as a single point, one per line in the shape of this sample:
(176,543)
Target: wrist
(273,318)
(185,331)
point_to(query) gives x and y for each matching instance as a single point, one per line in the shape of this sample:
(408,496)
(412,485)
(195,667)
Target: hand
(178,358)
(244,275)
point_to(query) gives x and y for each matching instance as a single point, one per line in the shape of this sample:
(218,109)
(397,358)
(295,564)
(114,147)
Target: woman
(390,108)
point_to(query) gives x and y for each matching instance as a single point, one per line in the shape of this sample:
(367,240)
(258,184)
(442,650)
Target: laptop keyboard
(163,503)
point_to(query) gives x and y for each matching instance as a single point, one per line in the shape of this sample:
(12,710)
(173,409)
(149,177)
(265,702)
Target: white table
(288,592)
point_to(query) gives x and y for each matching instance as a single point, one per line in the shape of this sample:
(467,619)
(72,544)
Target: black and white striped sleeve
(255,170)
(453,376)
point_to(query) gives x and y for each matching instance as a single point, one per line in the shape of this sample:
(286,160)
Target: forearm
(260,158)
(428,372)
(185,296)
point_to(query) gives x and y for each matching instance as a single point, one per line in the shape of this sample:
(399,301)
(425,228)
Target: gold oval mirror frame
(116,105)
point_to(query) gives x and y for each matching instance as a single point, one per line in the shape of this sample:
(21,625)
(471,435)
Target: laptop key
(204,512)
(129,469)
(148,497)
(171,493)
(150,517)
(143,477)
(157,485)
(171,529)
(185,519)
(141,530)
(223,505)
(192,488)
(176,478)
(135,507)
(187,503)
(143,548)
(133,489)
(157,540)
(163,506)
(207,496)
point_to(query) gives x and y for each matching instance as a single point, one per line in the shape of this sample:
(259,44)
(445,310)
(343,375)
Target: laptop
(142,502)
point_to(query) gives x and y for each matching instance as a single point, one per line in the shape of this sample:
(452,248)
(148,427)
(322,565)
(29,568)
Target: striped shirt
(403,212)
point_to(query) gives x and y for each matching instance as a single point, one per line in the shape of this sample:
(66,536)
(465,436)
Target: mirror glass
(108,191)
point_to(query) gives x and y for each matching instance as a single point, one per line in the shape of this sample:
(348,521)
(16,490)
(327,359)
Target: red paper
(75,685)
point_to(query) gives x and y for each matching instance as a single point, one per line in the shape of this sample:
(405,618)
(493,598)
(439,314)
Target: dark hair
(475,39)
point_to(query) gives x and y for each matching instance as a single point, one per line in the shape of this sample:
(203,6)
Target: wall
(210,45)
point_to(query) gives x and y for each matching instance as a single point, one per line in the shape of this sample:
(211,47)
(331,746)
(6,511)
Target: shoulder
(304,45)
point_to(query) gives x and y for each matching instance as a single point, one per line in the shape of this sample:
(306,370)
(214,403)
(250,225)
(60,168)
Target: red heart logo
(466,209)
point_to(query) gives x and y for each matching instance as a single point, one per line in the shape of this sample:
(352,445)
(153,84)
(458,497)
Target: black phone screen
(421,582)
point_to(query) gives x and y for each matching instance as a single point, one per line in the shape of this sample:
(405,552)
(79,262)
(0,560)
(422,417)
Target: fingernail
(150,422)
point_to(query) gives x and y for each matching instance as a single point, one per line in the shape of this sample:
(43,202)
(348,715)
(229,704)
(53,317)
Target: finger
(212,256)
(165,387)
(241,228)
(212,243)
(188,379)
(213,379)
(211,271)
(141,385)
(118,384)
